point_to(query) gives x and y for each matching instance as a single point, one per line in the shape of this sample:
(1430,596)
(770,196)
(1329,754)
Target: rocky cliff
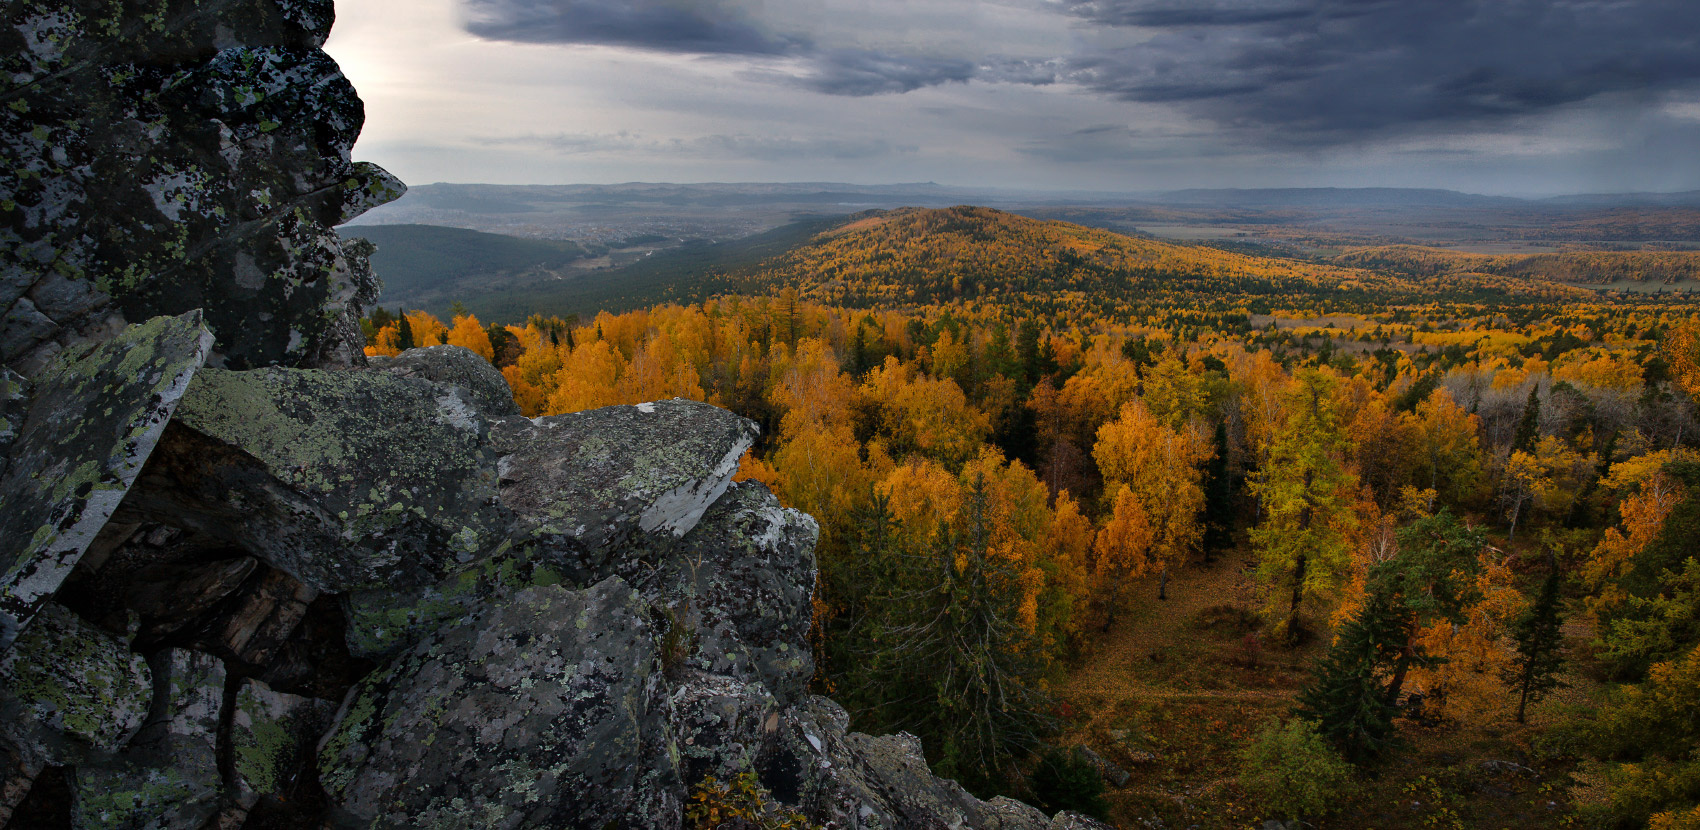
(248,579)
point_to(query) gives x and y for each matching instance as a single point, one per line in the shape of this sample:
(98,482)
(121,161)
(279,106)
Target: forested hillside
(1584,267)
(1440,544)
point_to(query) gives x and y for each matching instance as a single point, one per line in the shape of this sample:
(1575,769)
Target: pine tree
(1347,696)
(1529,429)
(1539,646)
(859,351)
(1027,353)
(404,332)
(1218,498)
(968,673)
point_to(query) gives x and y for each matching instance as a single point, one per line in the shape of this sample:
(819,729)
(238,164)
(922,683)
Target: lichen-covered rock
(586,484)
(722,727)
(876,782)
(178,155)
(344,480)
(1003,813)
(535,715)
(68,689)
(168,777)
(96,415)
(454,366)
(605,493)
(14,407)
(383,621)
(739,586)
(272,739)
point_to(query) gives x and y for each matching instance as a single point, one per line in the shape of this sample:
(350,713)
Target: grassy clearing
(1176,688)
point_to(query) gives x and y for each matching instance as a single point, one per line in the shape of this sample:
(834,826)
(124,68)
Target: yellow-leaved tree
(1310,526)
(468,334)
(1160,469)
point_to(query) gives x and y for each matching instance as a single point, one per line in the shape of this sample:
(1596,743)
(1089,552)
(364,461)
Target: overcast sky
(1489,96)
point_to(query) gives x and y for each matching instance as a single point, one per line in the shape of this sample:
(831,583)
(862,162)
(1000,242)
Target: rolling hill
(426,266)
(915,256)
(920,256)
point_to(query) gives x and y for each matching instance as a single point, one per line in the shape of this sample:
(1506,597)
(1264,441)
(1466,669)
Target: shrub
(739,804)
(1065,781)
(1293,771)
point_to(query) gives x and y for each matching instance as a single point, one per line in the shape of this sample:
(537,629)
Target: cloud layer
(1304,71)
(1340,70)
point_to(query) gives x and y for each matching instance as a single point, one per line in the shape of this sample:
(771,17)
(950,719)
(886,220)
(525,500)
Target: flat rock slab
(345,480)
(535,715)
(595,494)
(585,484)
(95,417)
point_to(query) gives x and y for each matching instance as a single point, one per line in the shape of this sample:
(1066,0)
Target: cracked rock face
(478,382)
(587,483)
(748,552)
(179,155)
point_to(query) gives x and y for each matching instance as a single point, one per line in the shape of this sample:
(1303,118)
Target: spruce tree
(859,351)
(1529,429)
(1539,646)
(1218,498)
(965,678)
(1347,696)
(404,333)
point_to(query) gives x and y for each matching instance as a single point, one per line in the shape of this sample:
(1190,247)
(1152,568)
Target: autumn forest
(1399,538)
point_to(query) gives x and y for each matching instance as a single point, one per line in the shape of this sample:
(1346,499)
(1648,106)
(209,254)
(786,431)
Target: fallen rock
(96,415)
(1108,770)
(167,778)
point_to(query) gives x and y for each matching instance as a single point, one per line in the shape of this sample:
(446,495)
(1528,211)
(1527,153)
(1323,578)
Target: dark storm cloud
(872,72)
(722,27)
(1327,71)
(688,26)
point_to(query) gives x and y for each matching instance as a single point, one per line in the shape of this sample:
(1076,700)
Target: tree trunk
(1398,683)
(1163,584)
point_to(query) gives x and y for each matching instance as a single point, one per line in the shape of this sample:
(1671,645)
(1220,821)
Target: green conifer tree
(1540,645)
(1529,429)
(404,332)
(1347,696)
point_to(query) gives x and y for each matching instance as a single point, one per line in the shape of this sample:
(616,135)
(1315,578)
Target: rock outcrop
(249,580)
